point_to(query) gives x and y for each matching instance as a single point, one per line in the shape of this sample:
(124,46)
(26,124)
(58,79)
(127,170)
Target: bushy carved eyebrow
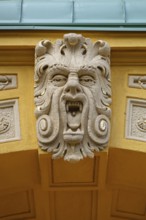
(58,69)
(87,70)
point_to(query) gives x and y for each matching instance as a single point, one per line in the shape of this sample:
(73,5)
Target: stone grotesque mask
(72,96)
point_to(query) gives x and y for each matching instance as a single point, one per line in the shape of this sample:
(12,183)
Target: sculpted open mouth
(74,107)
(73,133)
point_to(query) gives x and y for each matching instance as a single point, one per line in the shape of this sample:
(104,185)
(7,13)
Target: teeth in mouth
(67,108)
(74,107)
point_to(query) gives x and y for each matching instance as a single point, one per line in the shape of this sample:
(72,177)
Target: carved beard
(77,127)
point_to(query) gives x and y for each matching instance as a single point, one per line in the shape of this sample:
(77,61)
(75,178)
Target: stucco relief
(136,119)
(72,96)
(8,81)
(137,81)
(9,120)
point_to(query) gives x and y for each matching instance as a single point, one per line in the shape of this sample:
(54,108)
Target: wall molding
(25,56)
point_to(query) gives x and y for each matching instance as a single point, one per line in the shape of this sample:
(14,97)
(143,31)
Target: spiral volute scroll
(102,127)
(44,128)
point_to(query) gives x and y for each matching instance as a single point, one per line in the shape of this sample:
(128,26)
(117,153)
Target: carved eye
(87,80)
(59,80)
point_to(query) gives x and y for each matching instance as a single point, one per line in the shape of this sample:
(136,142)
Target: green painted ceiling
(118,15)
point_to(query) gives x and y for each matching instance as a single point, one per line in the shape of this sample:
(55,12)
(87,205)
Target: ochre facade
(112,186)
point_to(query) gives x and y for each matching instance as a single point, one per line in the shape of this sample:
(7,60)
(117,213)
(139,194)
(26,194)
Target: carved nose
(73,85)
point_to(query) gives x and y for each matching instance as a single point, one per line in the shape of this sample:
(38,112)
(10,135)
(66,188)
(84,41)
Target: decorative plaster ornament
(137,81)
(72,96)
(8,81)
(136,119)
(9,120)
(141,123)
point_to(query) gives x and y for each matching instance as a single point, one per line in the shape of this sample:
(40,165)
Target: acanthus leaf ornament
(72,96)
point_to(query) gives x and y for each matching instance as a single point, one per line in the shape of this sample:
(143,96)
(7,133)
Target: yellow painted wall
(111,186)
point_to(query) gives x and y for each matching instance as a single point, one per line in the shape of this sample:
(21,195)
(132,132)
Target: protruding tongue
(74,119)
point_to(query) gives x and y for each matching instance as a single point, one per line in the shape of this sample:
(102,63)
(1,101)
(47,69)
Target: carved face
(72,95)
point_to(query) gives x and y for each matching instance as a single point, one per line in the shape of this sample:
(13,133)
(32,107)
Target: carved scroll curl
(141,124)
(72,96)
(4,124)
